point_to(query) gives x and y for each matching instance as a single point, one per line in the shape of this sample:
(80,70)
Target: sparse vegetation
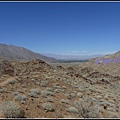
(86,108)
(67,91)
(34,93)
(12,81)
(10,109)
(72,110)
(64,101)
(48,107)
(3,90)
(20,97)
(46,93)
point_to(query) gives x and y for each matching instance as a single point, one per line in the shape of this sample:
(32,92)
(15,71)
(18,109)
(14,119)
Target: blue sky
(75,28)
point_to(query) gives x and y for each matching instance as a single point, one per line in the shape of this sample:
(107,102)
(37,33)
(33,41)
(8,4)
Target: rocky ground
(36,89)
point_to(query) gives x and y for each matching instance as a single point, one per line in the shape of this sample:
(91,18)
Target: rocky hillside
(11,52)
(35,89)
(109,64)
(20,68)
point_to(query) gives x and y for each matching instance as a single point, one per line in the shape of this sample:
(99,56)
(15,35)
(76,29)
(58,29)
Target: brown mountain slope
(106,65)
(11,52)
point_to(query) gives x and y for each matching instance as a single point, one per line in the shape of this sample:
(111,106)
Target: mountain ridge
(12,52)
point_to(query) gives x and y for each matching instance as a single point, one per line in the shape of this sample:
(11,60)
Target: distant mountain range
(11,52)
(71,57)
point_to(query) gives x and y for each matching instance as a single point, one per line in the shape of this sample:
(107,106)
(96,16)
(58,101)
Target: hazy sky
(66,28)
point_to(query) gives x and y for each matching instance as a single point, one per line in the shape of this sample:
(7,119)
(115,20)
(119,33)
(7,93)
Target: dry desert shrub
(48,107)
(3,90)
(10,109)
(72,110)
(45,93)
(20,97)
(87,108)
(34,93)
(12,81)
